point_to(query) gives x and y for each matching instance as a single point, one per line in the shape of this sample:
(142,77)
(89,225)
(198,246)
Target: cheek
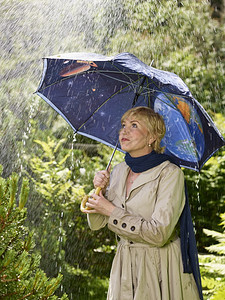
(120,136)
(143,136)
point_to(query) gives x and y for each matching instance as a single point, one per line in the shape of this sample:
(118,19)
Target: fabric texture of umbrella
(91,92)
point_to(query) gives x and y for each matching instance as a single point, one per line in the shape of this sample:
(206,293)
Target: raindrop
(25,137)
(198,192)
(72,150)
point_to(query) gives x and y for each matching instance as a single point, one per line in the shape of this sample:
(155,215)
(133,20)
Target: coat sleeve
(170,201)
(98,221)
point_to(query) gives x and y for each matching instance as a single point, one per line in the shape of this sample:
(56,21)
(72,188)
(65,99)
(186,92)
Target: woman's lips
(124,140)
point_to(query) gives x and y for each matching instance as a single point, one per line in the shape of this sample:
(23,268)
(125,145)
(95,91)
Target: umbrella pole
(98,189)
(111,158)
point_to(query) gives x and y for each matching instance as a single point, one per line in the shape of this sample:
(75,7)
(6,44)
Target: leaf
(13,188)
(46,147)
(217,235)
(64,159)
(59,145)
(24,193)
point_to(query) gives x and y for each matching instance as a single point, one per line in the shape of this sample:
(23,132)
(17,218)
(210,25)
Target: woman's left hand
(99,204)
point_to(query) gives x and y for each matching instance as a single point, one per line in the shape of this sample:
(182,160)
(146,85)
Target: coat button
(115,222)
(132,228)
(124,225)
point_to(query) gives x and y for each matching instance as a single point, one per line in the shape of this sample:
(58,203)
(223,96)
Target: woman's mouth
(124,140)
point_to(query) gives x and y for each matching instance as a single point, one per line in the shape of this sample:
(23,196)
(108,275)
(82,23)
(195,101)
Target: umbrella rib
(120,80)
(120,72)
(126,74)
(100,107)
(138,93)
(160,91)
(89,72)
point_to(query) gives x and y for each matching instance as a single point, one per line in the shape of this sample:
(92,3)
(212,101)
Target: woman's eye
(134,125)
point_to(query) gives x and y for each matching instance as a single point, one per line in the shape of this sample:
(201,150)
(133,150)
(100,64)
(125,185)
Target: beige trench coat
(148,263)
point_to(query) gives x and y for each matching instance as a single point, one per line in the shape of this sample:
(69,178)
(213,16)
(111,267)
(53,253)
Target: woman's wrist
(110,209)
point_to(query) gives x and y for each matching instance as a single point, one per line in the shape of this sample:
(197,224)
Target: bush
(20,275)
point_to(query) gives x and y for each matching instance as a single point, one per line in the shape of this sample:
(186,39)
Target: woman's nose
(124,130)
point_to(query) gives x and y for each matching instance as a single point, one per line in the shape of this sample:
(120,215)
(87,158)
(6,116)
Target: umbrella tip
(151,62)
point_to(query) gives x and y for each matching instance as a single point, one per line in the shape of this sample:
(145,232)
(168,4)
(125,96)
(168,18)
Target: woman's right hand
(101,179)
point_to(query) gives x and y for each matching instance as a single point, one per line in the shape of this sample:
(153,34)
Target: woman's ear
(151,140)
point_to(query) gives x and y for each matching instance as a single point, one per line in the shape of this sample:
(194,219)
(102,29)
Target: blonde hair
(153,121)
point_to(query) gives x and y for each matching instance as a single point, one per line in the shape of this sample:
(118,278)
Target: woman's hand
(99,204)
(101,179)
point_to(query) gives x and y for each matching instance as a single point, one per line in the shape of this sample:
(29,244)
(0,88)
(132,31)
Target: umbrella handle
(98,189)
(85,199)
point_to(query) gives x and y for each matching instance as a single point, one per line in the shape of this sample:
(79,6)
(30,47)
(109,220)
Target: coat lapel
(146,176)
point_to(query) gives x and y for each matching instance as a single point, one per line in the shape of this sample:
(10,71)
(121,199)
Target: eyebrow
(132,121)
(135,121)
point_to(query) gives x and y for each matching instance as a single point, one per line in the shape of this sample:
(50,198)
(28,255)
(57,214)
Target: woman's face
(134,137)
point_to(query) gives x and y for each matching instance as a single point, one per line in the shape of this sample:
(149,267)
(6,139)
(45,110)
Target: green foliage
(213,267)
(181,37)
(217,265)
(60,185)
(212,274)
(220,237)
(20,276)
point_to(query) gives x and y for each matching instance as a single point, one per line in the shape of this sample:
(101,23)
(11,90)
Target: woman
(142,201)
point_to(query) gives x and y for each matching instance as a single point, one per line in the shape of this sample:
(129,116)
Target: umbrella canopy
(92,92)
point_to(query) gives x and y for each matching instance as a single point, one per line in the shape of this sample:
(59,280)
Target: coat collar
(142,179)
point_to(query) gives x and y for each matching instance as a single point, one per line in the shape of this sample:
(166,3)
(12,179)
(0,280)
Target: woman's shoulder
(165,169)
(170,169)
(169,166)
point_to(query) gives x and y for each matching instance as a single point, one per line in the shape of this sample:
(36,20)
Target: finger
(106,174)
(103,174)
(109,169)
(100,180)
(89,211)
(92,198)
(102,184)
(101,194)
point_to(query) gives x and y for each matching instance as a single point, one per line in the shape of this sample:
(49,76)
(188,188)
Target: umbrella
(91,92)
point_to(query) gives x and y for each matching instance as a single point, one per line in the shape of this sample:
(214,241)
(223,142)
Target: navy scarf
(187,236)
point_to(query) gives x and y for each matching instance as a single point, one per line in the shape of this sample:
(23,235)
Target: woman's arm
(101,208)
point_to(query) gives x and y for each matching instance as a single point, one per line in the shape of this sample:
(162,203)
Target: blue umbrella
(91,92)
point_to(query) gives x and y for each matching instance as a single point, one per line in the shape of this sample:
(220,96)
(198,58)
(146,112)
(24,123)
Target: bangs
(138,115)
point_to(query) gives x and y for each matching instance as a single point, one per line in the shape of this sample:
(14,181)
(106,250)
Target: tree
(20,275)
(181,37)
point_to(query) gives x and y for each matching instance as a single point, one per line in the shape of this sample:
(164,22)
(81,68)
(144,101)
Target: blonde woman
(143,201)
